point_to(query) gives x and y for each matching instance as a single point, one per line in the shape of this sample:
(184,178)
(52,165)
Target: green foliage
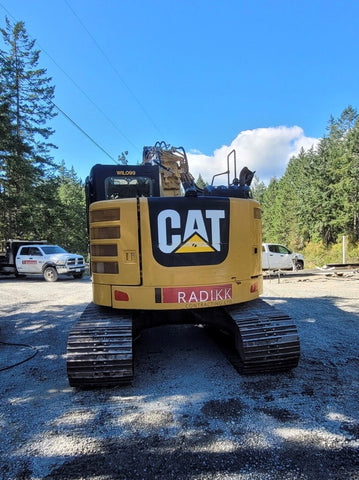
(38,199)
(26,105)
(258,189)
(28,93)
(317,199)
(200,182)
(317,255)
(71,212)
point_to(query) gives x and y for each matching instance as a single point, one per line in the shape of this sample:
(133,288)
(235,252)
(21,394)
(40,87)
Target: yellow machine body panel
(114,242)
(175,253)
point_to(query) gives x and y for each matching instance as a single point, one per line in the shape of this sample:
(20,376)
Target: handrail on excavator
(228,171)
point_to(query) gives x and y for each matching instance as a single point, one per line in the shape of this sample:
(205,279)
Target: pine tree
(27,94)
(352,182)
(6,140)
(71,213)
(200,182)
(270,215)
(317,199)
(258,189)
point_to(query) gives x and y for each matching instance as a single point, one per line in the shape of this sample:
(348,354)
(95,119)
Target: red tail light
(121,296)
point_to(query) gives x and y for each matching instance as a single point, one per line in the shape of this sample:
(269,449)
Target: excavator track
(266,339)
(256,337)
(99,348)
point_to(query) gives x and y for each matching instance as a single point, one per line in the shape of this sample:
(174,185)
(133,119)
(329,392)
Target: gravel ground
(188,414)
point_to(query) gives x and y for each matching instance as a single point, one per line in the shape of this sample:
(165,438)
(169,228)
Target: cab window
(128,187)
(282,249)
(34,251)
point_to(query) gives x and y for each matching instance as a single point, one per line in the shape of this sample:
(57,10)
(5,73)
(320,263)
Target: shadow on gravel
(180,459)
(43,331)
(301,425)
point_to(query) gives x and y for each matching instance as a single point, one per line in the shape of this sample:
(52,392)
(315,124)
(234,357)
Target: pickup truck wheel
(50,274)
(78,275)
(299,265)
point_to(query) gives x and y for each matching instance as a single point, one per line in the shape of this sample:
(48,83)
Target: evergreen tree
(270,219)
(71,213)
(6,140)
(301,173)
(332,174)
(317,199)
(351,184)
(26,94)
(258,189)
(200,182)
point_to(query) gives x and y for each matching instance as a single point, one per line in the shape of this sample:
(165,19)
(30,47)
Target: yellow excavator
(164,251)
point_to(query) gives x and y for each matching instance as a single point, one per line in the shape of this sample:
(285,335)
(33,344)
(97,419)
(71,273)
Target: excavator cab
(110,182)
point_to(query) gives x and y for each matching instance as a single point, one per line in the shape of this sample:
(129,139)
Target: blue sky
(261,76)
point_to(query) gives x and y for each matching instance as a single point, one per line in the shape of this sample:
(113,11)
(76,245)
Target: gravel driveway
(188,414)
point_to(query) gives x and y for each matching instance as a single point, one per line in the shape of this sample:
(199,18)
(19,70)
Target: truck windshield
(50,249)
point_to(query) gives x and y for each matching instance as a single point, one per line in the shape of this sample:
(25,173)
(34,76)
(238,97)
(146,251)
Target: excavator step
(99,348)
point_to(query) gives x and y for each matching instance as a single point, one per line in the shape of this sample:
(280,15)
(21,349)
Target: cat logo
(194,233)
(187,231)
(195,244)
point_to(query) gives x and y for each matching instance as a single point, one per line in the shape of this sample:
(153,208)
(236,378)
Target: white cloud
(265,150)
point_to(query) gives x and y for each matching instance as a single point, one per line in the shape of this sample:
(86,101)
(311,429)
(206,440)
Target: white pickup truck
(279,257)
(49,261)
